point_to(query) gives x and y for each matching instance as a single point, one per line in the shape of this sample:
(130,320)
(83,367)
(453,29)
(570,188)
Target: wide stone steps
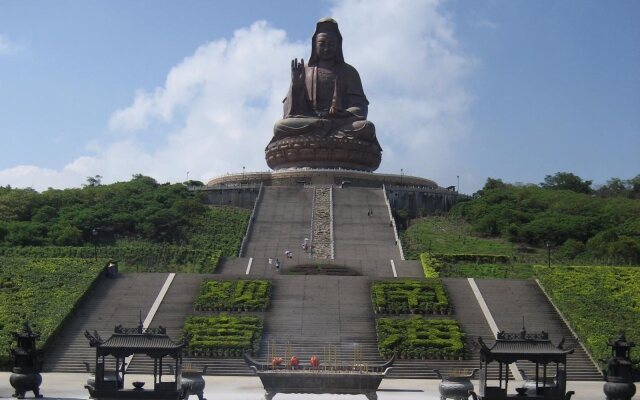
(282,221)
(174,310)
(110,302)
(512,300)
(362,229)
(472,322)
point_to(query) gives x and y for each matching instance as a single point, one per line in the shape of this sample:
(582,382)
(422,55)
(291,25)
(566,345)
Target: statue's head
(326,42)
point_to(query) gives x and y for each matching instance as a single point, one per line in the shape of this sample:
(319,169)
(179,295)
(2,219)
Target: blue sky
(491,88)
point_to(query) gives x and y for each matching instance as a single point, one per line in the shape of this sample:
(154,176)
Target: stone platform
(318,176)
(323,152)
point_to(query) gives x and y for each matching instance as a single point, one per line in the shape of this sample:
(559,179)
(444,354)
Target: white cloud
(413,73)
(220,103)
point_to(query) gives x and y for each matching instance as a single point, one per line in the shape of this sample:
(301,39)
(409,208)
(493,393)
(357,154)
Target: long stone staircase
(363,232)
(172,313)
(282,221)
(511,300)
(111,302)
(315,315)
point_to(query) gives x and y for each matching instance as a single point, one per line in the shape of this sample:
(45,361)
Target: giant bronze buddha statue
(325,112)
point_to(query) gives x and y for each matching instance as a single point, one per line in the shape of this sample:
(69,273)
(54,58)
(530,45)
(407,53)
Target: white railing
(333,250)
(393,222)
(250,224)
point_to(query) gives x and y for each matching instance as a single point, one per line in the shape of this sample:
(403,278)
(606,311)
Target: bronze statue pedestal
(323,152)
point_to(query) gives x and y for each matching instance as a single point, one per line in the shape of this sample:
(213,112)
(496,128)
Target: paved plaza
(71,386)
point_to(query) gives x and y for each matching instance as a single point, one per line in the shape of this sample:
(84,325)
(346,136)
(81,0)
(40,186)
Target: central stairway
(312,314)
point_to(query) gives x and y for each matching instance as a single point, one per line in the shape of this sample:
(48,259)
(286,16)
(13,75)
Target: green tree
(566,181)
(93,181)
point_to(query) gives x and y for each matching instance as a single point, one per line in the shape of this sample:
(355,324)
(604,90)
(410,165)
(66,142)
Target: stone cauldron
(25,382)
(455,386)
(323,152)
(320,381)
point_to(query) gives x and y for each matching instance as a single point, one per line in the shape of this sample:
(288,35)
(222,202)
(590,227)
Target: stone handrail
(333,249)
(393,222)
(250,224)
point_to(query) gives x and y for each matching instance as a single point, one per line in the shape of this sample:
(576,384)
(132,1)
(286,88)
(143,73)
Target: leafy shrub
(247,295)
(410,296)
(219,228)
(449,236)
(141,257)
(420,338)
(570,249)
(488,271)
(430,265)
(42,292)
(599,302)
(222,336)
(476,258)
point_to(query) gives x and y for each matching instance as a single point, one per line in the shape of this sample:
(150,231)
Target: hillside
(579,227)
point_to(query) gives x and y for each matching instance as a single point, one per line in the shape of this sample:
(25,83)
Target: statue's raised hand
(297,72)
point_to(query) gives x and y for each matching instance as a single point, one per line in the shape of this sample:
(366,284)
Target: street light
(458,186)
(548,253)
(401,175)
(94,234)
(243,174)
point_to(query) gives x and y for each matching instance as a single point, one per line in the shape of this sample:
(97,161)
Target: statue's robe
(347,94)
(306,108)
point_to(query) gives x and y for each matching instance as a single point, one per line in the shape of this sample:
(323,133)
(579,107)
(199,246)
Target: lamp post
(401,175)
(243,174)
(187,178)
(458,185)
(548,253)
(94,234)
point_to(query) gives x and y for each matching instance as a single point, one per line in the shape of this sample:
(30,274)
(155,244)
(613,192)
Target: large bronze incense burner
(355,379)
(26,363)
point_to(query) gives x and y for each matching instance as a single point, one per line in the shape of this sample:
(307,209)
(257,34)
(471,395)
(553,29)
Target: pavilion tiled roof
(126,341)
(511,347)
(140,341)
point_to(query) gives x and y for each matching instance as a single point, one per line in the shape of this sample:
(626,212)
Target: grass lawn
(449,236)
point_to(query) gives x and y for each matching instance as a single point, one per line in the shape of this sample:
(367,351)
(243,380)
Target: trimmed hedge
(490,271)
(42,292)
(472,258)
(134,257)
(599,302)
(222,336)
(239,295)
(420,338)
(410,296)
(430,265)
